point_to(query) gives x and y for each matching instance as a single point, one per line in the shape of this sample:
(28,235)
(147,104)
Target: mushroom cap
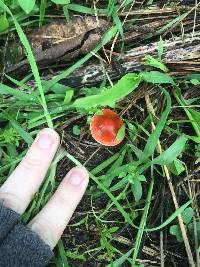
(104,127)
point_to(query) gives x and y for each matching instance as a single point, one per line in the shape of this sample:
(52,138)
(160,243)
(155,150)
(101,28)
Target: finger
(23,183)
(50,223)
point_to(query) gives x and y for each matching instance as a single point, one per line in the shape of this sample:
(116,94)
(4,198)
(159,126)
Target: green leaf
(154,137)
(176,167)
(121,89)
(76,130)
(160,48)
(169,155)
(119,262)
(121,133)
(187,215)
(118,22)
(190,227)
(156,77)
(150,61)
(192,114)
(195,82)
(137,189)
(61,2)
(27,5)
(171,218)
(24,135)
(68,96)
(196,118)
(6,90)
(4,24)
(81,9)
(61,255)
(175,230)
(141,178)
(57,88)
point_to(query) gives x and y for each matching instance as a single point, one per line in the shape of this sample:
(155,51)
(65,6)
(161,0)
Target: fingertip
(78,176)
(51,132)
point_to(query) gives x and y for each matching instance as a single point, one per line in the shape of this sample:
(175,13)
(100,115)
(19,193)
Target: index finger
(18,190)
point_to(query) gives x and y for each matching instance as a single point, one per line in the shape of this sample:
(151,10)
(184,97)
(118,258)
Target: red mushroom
(104,128)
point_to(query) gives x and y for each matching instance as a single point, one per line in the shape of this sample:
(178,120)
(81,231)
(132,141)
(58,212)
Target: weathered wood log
(58,42)
(180,56)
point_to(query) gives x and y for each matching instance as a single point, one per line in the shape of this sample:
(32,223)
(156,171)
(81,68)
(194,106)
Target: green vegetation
(148,184)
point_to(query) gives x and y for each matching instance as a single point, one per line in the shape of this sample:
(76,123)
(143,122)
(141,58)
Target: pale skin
(18,190)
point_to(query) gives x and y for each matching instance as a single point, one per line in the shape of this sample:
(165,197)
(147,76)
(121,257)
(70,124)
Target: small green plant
(156,62)
(9,136)
(76,130)
(187,216)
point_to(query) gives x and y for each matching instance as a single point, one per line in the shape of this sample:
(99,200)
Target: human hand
(18,190)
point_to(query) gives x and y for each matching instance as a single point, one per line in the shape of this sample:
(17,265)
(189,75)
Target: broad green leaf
(76,130)
(175,230)
(156,77)
(4,24)
(27,5)
(137,189)
(187,215)
(121,89)
(169,155)
(153,62)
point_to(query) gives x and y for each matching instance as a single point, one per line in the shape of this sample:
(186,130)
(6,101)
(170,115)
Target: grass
(152,165)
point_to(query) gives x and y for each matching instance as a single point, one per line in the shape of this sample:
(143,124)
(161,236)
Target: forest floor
(140,59)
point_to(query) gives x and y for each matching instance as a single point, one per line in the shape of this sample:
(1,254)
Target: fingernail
(77,175)
(45,140)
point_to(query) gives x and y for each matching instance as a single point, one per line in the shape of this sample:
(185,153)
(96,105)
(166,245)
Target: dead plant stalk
(171,187)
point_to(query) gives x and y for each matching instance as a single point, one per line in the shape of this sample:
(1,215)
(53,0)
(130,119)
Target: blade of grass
(154,137)
(42,11)
(104,164)
(143,220)
(6,90)
(190,113)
